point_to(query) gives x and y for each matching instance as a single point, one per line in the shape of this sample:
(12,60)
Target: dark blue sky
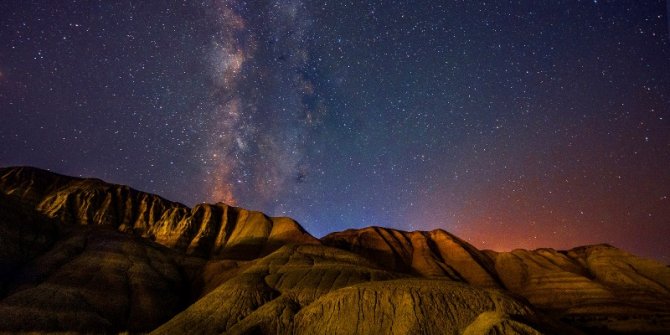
(509,123)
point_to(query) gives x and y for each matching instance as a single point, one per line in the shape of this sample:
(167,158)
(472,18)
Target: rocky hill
(84,256)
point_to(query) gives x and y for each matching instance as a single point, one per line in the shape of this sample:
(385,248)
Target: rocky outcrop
(596,287)
(417,306)
(84,256)
(267,294)
(428,254)
(205,230)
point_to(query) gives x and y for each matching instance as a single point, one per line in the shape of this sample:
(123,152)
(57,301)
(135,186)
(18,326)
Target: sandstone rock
(429,254)
(84,256)
(265,296)
(206,230)
(595,287)
(414,306)
(95,281)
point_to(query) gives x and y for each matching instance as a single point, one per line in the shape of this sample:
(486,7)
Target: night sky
(512,124)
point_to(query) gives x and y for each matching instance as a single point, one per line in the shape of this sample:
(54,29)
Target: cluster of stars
(510,124)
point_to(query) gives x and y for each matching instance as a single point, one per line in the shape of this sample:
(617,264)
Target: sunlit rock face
(594,287)
(415,306)
(205,230)
(427,254)
(84,256)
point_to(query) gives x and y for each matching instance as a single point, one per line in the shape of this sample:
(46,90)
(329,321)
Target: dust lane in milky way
(261,120)
(508,123)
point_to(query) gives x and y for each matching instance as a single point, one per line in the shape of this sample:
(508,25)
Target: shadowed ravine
(82,255)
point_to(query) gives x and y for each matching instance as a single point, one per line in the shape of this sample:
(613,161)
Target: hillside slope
(84,256)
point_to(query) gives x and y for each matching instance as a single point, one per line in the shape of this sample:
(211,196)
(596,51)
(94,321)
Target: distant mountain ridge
(82,255)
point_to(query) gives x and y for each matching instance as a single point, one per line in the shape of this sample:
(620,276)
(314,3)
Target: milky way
(513,124)
(261,120)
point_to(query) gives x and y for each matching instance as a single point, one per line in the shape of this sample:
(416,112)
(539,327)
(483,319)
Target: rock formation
(84,256)
(595,287)
(205,231)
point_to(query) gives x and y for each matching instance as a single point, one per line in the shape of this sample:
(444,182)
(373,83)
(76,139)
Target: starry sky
(512,124)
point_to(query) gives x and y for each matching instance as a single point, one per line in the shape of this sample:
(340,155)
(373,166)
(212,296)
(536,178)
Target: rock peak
(205,230)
